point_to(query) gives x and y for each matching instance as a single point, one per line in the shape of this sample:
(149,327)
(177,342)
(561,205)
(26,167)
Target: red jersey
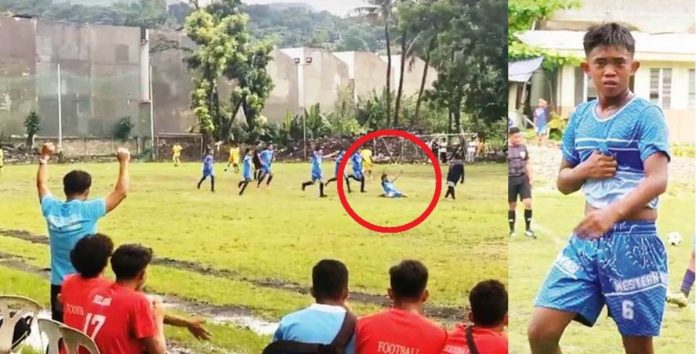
(487,341)
(74,295)
(118,319)
(398,331)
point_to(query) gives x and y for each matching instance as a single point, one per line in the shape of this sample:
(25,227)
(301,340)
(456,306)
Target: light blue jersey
(247,167)
(339,158)
(317,158)
(208,166)
(390,190)
(68,222)
(634,133)
(315,324)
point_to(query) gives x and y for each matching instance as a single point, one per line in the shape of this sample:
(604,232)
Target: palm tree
(380,11)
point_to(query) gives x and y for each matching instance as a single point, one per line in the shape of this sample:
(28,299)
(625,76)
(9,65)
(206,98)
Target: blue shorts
(393,194)
(358,174)
(266,170)
(208,173)
(541,129)
(626,269)
(317,176)
(247,175)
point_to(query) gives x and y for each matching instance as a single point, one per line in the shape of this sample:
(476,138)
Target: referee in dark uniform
(519,180)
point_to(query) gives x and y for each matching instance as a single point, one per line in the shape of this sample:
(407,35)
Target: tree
(32,123)
(381,11)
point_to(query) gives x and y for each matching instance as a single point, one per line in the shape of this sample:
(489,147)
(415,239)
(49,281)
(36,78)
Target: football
(674,238)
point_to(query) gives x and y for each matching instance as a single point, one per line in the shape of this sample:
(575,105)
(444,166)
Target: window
(661,87)
(585,89)
(692,88)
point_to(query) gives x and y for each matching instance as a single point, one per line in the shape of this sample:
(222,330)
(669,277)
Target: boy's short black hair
(513,130)
(384,176)
(408,279)
(76,182)
(489,303)
(608,34)
(91,255)
(129,260)
(247,150)
(329,279)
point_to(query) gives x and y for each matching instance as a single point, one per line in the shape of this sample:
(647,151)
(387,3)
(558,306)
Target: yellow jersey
(176,150)
(234,155)
(367,156)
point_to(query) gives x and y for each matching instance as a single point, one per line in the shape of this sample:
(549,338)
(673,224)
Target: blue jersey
(631,135)
(317,158)
(388,187)
(248,167)
(357,162)
(68,222)
(315,324)
(266,157)
(208,163)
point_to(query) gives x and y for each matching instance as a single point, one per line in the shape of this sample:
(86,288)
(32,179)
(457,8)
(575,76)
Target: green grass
(531,260)
(280,233)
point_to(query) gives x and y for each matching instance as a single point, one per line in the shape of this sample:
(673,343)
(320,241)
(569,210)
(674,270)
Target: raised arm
(122,183)
(42,174)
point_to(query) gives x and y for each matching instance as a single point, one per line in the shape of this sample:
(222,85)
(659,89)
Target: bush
(123,128)
(33,126)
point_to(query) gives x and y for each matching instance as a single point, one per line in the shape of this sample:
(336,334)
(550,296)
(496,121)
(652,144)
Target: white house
(665,77)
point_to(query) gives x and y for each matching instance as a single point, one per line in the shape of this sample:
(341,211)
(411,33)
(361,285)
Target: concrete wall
(367,72)
(172,84)
(413,75)
(17,73)
(647,15)
(284,97)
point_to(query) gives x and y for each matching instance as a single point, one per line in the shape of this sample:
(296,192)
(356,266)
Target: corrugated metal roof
(522,70)
(667,43)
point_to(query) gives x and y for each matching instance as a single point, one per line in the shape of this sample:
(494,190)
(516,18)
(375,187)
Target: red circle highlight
(399,228)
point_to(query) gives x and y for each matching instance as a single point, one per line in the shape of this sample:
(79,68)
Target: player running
(317,174)
(266,157)
(247,170)
(234,158)
(616,150)
(357,162)
(176,154)
(208,170)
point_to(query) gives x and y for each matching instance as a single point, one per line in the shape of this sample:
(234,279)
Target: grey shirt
(517,160)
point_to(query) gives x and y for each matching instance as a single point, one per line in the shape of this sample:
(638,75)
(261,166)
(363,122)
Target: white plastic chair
(51,329)
(74,339)
(21,306)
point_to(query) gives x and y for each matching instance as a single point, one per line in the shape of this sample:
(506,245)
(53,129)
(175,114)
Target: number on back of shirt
(95,323)
(627,309)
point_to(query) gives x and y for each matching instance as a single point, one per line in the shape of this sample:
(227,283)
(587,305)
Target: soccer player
(519,181)
(266,157)
(247,168)
(454,174)
(357,163)
(119,317)
(208,170)
(616,150)
(339,157)
(488,301)
(320,323)
(541,119)
(402,328)
(317,174)
(176,154)
(389,188)
(89,257)
(70,220)
(681,298)
(257,162)
(234,158)
(366,154)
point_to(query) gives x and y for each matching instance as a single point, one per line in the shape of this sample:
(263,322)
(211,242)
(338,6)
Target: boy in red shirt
(402,329)
(119,317)
(89,257)
(489,314)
